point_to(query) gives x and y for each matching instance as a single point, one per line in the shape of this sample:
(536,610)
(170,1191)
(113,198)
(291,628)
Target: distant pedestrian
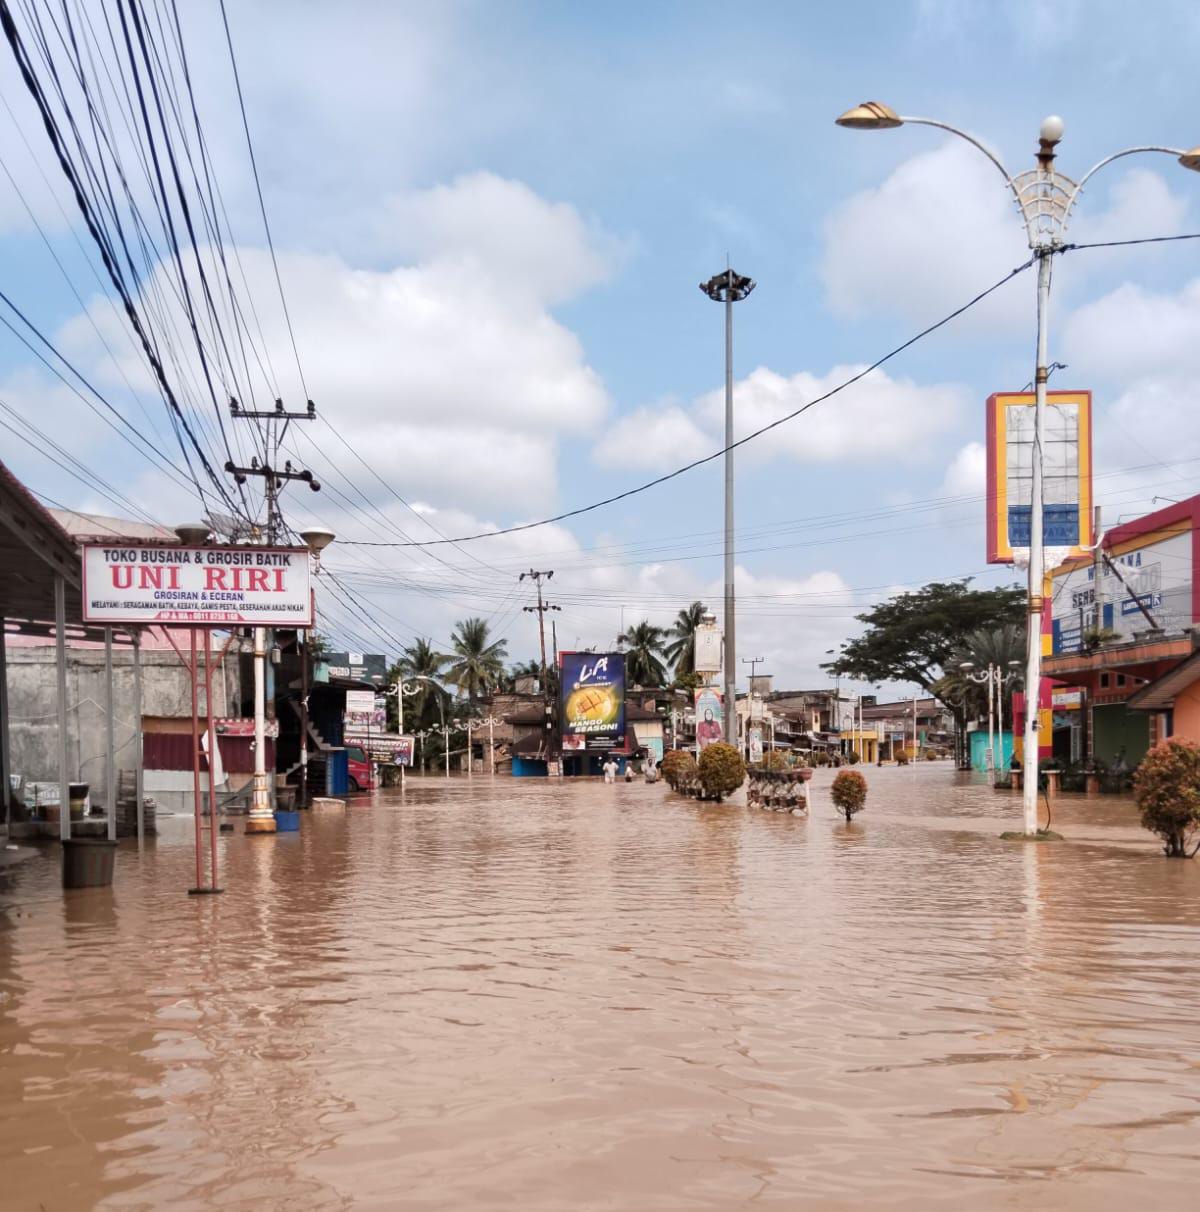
(629,772)
(610,770)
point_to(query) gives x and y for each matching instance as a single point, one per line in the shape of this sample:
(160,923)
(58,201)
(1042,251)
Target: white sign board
(197,586)
(708,650)
(360,703)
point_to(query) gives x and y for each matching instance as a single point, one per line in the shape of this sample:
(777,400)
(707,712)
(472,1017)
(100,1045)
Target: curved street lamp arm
(1091,172)
(962,134)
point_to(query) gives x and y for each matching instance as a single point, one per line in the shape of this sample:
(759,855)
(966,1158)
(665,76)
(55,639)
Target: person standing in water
(610,770)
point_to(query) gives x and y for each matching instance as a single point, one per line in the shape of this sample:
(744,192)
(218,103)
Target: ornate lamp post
(490,722)
(1045,200)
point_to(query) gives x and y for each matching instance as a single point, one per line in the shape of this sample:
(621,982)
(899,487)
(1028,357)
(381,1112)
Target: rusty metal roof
(34,549)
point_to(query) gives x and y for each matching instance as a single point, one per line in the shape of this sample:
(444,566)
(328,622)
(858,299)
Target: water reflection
(486,995)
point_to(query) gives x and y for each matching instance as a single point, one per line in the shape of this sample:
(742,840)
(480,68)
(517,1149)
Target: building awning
(1068,665)
(1160,694)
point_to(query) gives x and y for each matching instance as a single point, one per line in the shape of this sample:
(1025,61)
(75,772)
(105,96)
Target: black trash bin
(88,862)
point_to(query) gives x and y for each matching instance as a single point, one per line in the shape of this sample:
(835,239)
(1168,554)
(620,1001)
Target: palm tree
(681,648)
(421,660)
(477,662)
(643,647)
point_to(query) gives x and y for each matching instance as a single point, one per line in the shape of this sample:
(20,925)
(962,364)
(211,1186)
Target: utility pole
(540,610)
(754,663)
(729,288)
(275,479)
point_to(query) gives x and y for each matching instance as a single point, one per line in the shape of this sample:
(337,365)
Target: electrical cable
(757,433)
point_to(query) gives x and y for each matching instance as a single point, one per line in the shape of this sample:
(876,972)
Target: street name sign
(197,586)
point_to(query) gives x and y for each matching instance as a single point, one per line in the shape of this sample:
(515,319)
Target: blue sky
(492,219)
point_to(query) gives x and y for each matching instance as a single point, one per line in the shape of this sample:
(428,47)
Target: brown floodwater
(525,995)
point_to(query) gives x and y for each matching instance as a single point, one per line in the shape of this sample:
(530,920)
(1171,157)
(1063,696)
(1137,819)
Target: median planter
(88,862)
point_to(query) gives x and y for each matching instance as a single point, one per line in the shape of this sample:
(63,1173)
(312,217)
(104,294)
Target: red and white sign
(197,586)
(238,726)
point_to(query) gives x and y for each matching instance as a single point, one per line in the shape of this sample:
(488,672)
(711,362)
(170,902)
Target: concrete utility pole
(275,479)
(540,610)
(729,288)
(1045,200)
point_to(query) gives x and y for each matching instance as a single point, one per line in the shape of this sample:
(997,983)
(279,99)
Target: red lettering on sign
(151,578)
(122,576)
(278,575)
(214,578)
(258,579)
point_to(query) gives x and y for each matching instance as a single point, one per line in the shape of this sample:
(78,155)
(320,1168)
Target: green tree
(680,649)
(1003,647)
(420,660)
(913,637)
(916,637)
(477,662)
(643,649)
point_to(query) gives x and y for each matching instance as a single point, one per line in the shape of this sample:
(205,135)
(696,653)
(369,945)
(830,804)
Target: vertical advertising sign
(710,719)
(756,746)
(593,700)
(1066,479)
(707,653)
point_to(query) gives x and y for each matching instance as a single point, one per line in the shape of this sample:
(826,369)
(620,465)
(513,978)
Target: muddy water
(537,997)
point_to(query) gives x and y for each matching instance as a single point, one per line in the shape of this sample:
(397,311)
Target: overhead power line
(716,454)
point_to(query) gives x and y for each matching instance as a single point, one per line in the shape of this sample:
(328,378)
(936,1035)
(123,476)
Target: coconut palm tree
(477,663)
(643,647)
(681,645)
(421,660)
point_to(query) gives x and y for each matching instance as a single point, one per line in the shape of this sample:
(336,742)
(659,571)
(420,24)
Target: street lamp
(729,288)
(1045,199)
(406,690)
(995,679)
(491,721)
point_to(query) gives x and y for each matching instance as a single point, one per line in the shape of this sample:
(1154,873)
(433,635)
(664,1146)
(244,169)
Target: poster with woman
(709,716)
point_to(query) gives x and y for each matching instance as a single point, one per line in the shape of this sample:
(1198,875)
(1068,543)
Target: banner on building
(196,586)
(360,709)
(707,649)
(361,666)
(1066,478)
(710,719)
(756,745)
(593,700)
(402,751)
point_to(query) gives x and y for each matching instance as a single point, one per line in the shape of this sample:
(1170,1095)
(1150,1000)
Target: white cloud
(871,421)
(943,225)
(653,437)
(967,473)
(1133,332)
(938,230)
(439,373)
(524,243)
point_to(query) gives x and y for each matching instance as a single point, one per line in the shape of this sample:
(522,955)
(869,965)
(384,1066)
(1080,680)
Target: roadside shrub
(773,760)
(677,768)
(931,755)
(853,758)
(1167,790)
(901,757)
(849,792)
(722,769)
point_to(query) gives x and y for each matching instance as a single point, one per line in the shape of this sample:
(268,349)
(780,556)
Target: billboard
(1066,478)
(361,666)
(756,744)
(710,719)
(196,586)
(707,644)
(593,700)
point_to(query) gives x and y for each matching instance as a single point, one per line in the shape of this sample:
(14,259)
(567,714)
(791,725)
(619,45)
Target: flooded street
(519,994)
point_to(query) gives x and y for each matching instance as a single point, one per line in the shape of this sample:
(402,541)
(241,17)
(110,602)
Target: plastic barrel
(287,822)
(88,862)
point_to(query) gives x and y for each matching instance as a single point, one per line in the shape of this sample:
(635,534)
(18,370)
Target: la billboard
(593,701)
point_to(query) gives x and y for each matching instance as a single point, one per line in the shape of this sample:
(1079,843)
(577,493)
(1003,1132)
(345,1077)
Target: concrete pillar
(110,743)
(140,772)
(60,656)
(5,764)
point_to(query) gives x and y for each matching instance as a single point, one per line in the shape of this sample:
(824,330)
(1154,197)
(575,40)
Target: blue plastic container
(287,822)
